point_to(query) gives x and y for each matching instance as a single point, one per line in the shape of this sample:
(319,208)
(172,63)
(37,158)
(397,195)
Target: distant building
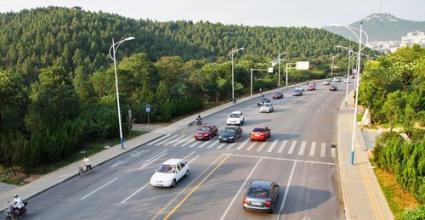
(411,38)
(416,37)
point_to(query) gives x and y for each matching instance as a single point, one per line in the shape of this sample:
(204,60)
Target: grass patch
(19,175)
(398,199)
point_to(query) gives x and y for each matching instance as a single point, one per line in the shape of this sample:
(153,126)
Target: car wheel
(174,183)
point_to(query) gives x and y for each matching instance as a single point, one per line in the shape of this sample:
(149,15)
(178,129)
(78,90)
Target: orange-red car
(260,134)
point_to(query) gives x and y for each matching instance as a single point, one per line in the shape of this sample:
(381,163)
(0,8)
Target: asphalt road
(299,157)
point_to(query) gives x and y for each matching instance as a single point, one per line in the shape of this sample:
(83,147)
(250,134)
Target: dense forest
(57,82)
(393,89)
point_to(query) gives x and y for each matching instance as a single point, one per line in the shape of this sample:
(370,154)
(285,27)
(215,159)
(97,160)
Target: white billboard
(270,70)
(302,65)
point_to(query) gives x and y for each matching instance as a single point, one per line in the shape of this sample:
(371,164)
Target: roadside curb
(175,127)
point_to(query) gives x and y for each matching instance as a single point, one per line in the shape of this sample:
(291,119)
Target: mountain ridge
(380,27)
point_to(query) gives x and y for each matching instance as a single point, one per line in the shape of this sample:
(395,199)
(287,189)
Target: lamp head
(129,38)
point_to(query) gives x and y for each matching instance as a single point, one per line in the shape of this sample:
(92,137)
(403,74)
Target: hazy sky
(312,13)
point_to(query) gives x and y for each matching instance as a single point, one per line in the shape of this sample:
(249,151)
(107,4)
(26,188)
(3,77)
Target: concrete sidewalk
(49,180)
(362,195)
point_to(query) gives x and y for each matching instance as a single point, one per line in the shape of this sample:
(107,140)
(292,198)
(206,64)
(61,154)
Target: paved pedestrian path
(362,195)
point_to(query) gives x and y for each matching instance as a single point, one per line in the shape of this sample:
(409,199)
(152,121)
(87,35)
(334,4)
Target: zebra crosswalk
(285,146)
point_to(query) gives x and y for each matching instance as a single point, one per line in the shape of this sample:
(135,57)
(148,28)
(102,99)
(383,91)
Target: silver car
(267,107)
(261,196)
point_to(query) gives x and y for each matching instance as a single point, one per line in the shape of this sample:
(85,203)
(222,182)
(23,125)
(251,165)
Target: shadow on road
(301,198)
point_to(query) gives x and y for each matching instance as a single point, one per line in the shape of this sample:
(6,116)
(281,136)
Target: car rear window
(235,115)
(229,130)
(258,192)
(258,129)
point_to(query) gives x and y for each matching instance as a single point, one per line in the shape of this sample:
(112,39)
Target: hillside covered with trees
(57,81)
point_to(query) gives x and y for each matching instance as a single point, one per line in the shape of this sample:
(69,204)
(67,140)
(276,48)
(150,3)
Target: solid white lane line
(230,146)
(221,145)
(280,158)
(194,143)
(182,140)
(282,146)
(215,162)
(240,189)
(151,160)
(213,144)
(203,144)
(272,146)
(159,139)
(312,149)
(291,149)
(167,139)
(282,206)
(261,147)
(193,159)
(133,194)
(301,152)
(184,158)
(323,150)
(243,144)
(251,146)
(101,187)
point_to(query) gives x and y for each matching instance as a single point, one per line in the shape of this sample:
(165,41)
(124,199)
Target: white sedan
(169,173)
(268,107)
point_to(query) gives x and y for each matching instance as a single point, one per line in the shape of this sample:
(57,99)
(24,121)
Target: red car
(260,134)
(311,87)
(277,95)
(205,132)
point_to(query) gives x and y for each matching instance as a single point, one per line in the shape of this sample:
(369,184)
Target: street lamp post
(279,60)
(332,67)
(233,72)
(252,71)
(112,52)
(348,70)
(287,66)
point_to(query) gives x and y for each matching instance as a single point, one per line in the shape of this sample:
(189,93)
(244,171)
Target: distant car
(277,95)
(260,134)
(261,196)
(346,81)
(267,108)
(169,173)
(326,83)
(311,86)
(206,132)
(230,134)
(262,101)
(333,88)
(298,92)
(235,118)
(337,79)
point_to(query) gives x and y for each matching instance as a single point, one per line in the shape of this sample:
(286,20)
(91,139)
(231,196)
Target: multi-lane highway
(299,157)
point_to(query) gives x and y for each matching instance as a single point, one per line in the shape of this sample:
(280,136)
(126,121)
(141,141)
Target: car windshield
(166,168)
(258,193)
(204,129)
(258,129)
(235,116)
(298,89)
(268,104)
(229,130)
